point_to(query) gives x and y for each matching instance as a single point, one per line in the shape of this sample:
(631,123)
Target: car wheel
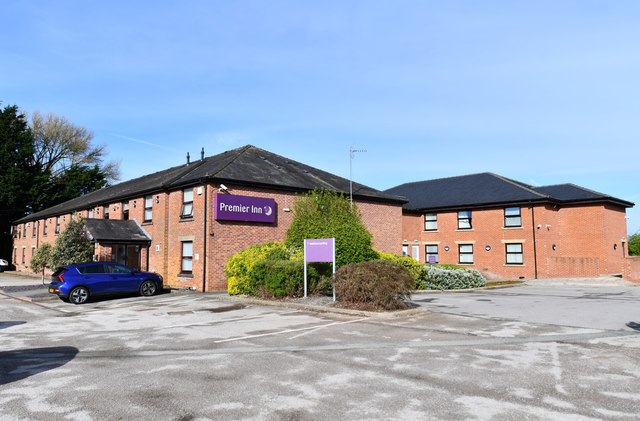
(79,295)
(148,288)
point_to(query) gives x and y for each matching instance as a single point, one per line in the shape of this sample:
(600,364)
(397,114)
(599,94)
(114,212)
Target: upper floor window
(512,217)
(148,208)
(464,220)
(90,213)
(44,227)
(514,254)
(57,225)
(125,211)
(105,212)
(430,221)
(465,254)
(187,203)
(34,229)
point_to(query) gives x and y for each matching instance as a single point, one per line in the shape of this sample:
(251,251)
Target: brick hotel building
(169,222)
(186,221)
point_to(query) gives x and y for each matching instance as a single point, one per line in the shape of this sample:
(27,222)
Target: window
(187,203)
(512,217)
(105,212)
(405,249)
(90,213)
(44,227)
(514,254)
(34,230)
(464,220)
(187,257)
(24,254)
(431,251)
(430,221)
(24,230)
(465,254)
(148,208)
(57,225)
(125,211)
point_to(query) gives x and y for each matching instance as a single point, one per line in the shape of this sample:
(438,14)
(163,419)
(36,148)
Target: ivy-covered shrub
(281,278)
(438,278)
(240,265)
(374,285)
(415,268)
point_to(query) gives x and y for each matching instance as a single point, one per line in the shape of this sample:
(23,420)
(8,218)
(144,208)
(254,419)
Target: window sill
(430,231)
(512,228)
(464,229)
(186,219)
(144,223)
(185,275)
(514,264)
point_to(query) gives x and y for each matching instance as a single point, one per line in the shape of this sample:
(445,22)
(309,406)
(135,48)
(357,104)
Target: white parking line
(289,331)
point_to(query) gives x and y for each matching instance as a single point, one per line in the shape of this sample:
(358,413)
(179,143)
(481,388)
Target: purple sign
(230,207)
(319,250)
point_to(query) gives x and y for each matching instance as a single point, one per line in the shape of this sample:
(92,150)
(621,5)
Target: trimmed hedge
(442,279)
(240,265)
(374,285)
(415,268)
(280,278)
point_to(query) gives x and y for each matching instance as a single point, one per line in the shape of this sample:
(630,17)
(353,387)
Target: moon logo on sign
(267,210)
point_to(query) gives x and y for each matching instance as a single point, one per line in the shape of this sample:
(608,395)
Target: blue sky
(545,92)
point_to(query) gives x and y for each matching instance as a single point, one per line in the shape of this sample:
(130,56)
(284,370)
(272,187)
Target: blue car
(76,283)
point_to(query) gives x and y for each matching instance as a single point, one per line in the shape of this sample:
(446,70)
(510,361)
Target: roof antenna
(188,159)
(202,153)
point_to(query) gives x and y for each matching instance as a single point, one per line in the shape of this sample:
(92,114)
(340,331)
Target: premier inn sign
(230,207)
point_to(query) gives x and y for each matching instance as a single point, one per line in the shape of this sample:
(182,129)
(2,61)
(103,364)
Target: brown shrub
(374,285)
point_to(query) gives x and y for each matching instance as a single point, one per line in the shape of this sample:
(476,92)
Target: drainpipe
(204,261)
(535,246)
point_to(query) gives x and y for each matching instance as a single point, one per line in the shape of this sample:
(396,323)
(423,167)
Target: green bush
(281,278)
(327,214)
(438,278)
(41,258)
(415,268)
(240,265)
(374,285)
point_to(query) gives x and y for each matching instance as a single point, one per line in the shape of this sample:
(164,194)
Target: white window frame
(431,221)
(465,250)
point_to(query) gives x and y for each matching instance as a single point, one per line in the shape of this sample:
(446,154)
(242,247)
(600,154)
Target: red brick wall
(583,236)
(632,271)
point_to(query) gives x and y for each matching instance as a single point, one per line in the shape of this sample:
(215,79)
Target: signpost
(319,250)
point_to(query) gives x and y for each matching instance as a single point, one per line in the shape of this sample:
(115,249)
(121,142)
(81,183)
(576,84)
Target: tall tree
(634,244)
(60,144)
(17,172)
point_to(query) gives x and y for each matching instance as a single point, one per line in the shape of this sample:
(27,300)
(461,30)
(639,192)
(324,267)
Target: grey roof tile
(247,165)
(487,189)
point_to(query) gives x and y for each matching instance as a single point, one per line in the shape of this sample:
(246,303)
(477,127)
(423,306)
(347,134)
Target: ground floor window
(187,257)
(514,254)
(465,254)
(431,253)
(405,249)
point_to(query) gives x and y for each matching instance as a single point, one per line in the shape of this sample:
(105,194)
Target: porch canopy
(116,231)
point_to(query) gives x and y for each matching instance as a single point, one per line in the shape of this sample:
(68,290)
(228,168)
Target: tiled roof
(488,189)
(248,165)
(116,230)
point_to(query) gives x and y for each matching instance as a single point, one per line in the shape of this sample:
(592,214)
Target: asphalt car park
(200,356)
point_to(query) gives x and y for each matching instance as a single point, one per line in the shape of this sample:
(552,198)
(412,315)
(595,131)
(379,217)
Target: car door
(93,277)
(123,280)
